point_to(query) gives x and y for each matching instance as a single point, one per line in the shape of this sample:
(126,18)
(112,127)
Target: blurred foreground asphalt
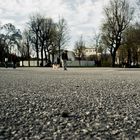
(78,104)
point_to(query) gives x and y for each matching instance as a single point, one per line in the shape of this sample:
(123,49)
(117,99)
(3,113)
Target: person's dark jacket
(64,56)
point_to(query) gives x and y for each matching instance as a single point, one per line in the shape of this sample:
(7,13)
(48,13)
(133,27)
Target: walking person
(14,60)
(65,59)
(6,62)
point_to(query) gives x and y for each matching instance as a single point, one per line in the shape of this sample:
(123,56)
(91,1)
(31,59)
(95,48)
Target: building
(89,51)
(92,53)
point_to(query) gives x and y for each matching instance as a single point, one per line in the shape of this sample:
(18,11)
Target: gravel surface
(78,104)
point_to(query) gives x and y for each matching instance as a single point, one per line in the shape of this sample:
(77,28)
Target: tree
(131,45)
(50,38)
(97,43)
(118,15)
(23,51)
(9,36)
(79,49)
(25,45)
(42,36)
(3,48)
(34,28)
(62,34)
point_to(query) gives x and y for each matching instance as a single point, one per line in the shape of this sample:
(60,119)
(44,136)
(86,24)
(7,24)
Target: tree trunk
(52,58)
(137,59)
(129,58)
(113,55)
(42,56)
(45,56)
(37,55)
(28,56)
(37,52)
(59,52)
(29,62)
(49,56)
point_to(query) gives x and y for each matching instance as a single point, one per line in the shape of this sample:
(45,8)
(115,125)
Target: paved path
(79,104)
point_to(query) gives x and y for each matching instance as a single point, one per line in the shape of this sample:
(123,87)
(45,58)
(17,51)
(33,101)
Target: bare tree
(97,43)
(34,28)
(79,49)
(42,37)
(50,38)
(118,15)
(27,43)
(62,34)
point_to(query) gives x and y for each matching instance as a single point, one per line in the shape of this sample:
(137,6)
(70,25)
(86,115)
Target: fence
(83,63)
(69,63)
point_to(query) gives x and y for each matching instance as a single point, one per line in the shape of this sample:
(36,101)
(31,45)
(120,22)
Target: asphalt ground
(78,104)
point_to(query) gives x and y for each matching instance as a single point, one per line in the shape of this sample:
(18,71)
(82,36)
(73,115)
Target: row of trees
(119,35)
(42,35)
(47,37)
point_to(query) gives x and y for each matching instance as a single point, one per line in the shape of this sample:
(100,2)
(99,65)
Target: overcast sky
(83,16)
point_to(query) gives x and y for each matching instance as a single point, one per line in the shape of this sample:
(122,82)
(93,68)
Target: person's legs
(65,64)
(6,64)
(14,64)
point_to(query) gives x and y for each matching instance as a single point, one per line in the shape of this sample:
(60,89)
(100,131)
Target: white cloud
(82,16)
